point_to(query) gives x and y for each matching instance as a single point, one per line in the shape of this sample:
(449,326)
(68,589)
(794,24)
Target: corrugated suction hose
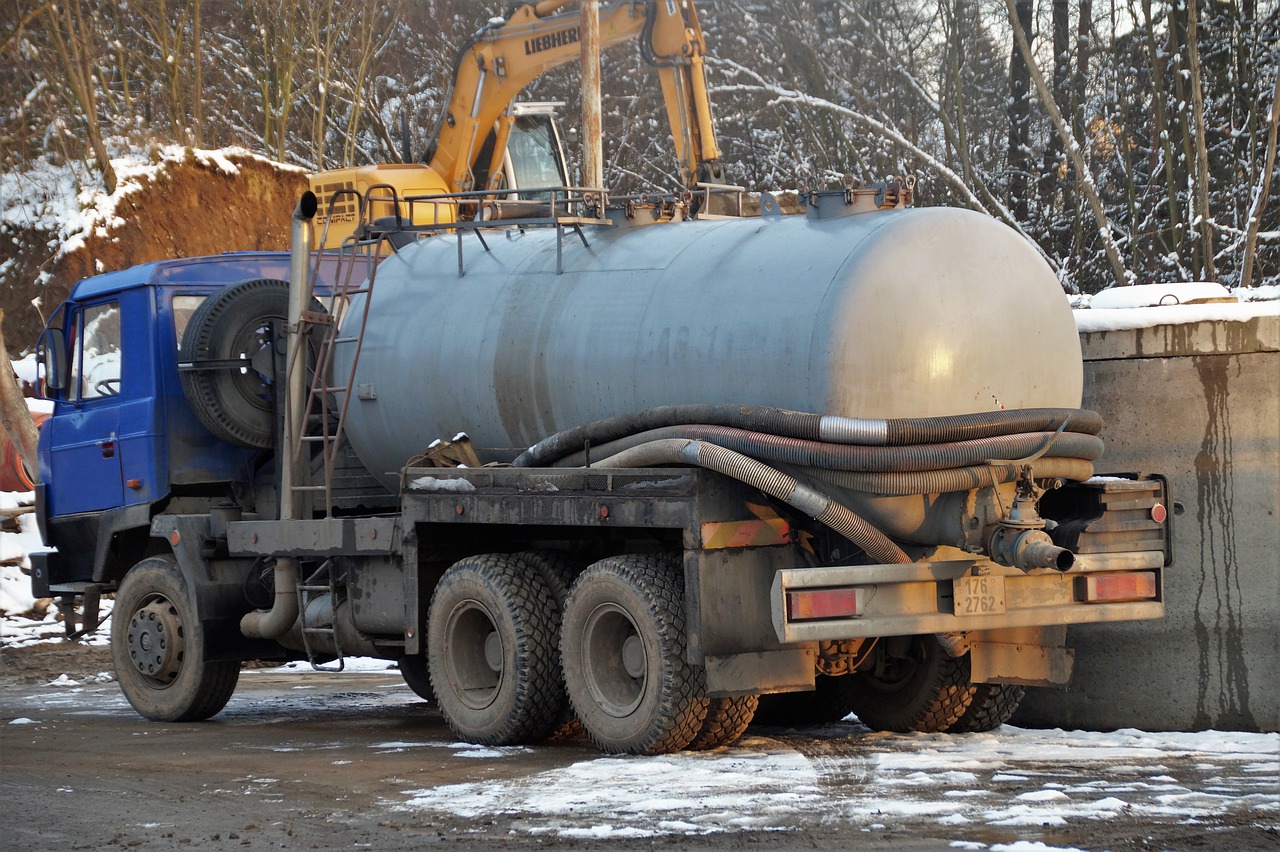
(771,481)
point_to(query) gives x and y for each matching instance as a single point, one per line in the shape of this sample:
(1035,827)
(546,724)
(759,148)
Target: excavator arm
(506,55)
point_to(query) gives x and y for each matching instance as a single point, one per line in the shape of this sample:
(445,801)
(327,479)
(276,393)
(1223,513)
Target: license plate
(979,595)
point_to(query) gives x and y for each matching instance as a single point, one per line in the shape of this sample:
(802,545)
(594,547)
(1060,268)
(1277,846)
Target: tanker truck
(576,461)
(649,478)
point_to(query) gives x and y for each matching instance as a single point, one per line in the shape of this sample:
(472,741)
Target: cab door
(84,444)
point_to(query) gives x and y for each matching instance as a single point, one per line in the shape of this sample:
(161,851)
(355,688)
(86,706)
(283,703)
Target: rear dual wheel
(993,704)
(623,649)
(491,638)
(923,689)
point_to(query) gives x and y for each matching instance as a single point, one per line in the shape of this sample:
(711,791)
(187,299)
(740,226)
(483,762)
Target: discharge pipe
(275,622)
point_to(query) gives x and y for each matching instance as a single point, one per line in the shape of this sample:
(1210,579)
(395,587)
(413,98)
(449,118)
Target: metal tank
(900,313)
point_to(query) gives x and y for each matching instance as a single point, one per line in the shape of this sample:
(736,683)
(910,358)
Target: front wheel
(158,647)
(623,647)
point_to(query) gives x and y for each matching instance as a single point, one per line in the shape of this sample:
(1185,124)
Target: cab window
(97,352)
(183,308)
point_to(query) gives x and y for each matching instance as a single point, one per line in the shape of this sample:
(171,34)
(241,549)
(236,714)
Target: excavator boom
(490,72)
(507,55)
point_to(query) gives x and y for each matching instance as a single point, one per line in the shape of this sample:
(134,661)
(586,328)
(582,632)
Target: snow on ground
(1011,777)
(15,585)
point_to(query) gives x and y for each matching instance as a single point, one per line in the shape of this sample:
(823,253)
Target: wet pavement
(357,761)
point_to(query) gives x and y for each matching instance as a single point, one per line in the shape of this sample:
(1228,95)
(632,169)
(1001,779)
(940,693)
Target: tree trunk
(70,33)
(1260,200)
(1207,271)
(1077,160)
(14,414)
(1163,133)
(1019,113)
(1050,180)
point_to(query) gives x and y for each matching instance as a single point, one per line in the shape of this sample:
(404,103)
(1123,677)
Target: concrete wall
(1199,402)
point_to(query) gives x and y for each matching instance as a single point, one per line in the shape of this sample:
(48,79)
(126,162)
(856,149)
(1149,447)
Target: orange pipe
(13,474)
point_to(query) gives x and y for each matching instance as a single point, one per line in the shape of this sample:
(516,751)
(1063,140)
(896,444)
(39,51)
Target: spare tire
(237,404)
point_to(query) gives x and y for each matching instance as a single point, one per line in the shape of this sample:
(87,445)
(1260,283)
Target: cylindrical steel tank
(900,313)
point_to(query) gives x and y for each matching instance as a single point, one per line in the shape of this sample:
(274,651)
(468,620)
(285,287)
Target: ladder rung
(312,438)
(307,487)
(345,340)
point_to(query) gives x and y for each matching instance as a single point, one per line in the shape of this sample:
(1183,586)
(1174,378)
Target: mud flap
(1025,664)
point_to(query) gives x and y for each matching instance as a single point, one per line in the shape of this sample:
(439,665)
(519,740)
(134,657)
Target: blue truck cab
(123,444)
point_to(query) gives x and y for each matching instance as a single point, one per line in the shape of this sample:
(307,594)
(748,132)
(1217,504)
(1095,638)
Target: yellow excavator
(480,126)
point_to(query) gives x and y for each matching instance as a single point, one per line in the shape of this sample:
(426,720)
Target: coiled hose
(799,452)
(814,427)
(897,457)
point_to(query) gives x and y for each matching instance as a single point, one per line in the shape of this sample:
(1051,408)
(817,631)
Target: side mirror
(52,355)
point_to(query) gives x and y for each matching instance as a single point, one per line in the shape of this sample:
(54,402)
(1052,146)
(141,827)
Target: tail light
(1112,588)
(822,604)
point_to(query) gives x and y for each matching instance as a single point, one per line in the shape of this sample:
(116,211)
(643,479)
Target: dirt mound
(49,660)
(188,207)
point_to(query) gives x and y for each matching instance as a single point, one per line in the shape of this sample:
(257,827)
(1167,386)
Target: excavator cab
(531,156)
(534,156)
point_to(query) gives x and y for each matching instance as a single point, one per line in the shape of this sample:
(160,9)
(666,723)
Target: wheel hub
(615,661)
(493,651)
(473,656)
(155,641)
(633,656)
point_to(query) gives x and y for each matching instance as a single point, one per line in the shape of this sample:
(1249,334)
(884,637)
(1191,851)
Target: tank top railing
(565,208)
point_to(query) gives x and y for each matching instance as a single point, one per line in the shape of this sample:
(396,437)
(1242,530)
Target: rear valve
(1020,540)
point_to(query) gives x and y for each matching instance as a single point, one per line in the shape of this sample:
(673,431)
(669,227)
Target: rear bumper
(905,600)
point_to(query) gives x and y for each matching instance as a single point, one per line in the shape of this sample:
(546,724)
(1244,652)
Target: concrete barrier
(1195,397)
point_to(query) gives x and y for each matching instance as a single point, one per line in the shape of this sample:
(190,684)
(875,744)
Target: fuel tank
(900,313)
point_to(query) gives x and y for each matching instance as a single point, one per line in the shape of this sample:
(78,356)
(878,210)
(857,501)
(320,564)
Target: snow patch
(1158,295)
(432,483)
(1119,319)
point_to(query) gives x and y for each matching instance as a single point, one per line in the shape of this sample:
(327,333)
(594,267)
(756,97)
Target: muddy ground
(303,761)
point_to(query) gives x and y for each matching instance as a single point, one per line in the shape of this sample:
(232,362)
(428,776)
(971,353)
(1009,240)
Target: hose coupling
(1025,548)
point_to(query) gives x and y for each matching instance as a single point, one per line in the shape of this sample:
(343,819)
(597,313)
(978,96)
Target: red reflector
(1159,513)
(816,604)
(1120,587)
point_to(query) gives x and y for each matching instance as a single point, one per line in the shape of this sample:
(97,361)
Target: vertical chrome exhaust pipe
(275,622)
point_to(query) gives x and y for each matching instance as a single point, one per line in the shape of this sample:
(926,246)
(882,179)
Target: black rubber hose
(925,457)
(778,421)
(814,427)
(897,484)
(987,424)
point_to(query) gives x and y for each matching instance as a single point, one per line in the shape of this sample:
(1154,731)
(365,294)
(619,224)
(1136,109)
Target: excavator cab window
(533,157)
(535,153)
